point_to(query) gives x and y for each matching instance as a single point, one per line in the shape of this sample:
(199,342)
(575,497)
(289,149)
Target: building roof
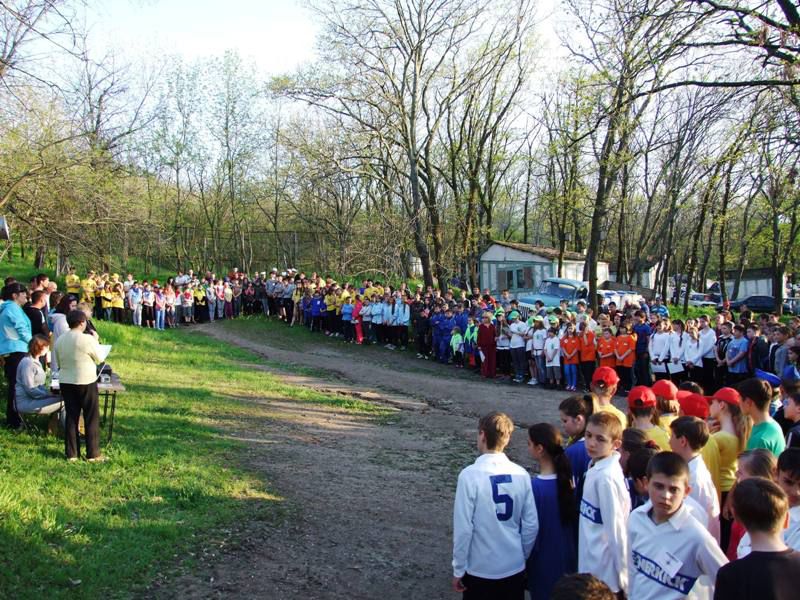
(551,253)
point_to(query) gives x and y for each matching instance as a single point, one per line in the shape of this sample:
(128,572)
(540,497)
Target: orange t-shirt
(623,344)
(605,346)
(588,351)
(569,344)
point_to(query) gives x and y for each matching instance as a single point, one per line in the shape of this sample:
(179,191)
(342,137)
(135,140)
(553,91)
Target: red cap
(641,396)
(694,405)
(664,388)
(729,395)
(605,375)
(683,394)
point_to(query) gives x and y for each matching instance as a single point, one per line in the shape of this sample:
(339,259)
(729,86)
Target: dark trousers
(587,371)
(509,588)
(77,399)
(10,368)
(624,378)
(709,365)
(642,370)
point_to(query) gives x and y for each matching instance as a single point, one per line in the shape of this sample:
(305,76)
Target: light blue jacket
(403,312)
(15,328)
(377,313)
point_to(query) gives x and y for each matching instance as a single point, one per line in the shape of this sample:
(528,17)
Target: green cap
(513,315)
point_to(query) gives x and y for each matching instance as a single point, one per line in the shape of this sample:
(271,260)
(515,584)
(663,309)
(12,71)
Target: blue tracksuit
(445,329)
(435,319)
(461,321)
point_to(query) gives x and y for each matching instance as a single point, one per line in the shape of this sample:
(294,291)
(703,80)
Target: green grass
(173,479)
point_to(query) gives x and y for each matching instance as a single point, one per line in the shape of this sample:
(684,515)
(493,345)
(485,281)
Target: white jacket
(791,536)
(708,343)
(659,346)
(494,518)
(666,560)
(602,534)
(677,345)
(693,352)
(705,493)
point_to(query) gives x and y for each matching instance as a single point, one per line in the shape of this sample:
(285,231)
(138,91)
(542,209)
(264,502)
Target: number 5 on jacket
(504,499)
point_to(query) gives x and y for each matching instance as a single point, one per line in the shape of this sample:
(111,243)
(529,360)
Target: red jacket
(487,336)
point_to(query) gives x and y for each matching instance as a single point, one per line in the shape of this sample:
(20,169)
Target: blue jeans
(160,319)
(212,308)
(571,375)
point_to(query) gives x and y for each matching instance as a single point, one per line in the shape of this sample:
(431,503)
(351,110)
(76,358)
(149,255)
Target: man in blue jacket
(15,333)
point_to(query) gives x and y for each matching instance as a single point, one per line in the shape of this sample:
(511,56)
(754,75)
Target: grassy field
(104,530)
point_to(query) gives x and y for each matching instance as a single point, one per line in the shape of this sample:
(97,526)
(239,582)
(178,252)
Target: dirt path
(368,502)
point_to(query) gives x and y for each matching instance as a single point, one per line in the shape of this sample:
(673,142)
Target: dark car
(756,304)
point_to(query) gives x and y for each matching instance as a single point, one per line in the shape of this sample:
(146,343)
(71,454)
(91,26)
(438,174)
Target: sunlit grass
(102,530)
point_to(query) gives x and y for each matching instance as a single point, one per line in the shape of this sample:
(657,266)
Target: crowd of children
(493,337)
(686,495)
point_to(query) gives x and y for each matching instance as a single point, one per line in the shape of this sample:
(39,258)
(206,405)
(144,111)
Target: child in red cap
(696,405)
(734,429)
(643,415)
(666,402)
(604,386)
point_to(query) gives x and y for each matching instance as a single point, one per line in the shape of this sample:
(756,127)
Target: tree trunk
(39,257)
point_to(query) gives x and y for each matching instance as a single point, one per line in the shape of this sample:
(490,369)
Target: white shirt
(708,343)
(705,493)
(659,345)
(552,352)
(518,330)
(791,536)
(602,536)
(494,518)
(665,561)
(539,338)
(693,352)
(677,345)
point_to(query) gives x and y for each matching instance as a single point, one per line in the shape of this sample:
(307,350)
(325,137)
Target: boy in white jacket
(689,435)
(669,549)
(494,518)
(605,505)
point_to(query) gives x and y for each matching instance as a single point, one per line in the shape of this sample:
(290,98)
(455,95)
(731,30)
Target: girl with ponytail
(555,551)
(734,430)
(575,412)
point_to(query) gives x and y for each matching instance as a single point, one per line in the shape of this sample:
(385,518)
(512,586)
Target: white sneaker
(533,382)
(391,346)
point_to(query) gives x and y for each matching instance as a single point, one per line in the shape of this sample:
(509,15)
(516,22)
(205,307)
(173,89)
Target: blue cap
(770,378)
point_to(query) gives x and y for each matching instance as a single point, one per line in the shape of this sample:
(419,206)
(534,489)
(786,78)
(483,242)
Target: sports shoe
(97,459)
(533,382)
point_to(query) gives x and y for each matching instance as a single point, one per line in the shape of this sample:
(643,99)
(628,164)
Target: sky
(277,35)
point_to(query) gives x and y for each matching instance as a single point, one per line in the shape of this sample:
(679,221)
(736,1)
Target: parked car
(698,299)
(553,290)
(756,304)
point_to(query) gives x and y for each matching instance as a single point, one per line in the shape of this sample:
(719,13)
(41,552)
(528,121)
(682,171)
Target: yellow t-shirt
(73,283)
(117,299)
(89,286)
(666,421)
(728,445)
(659,436)
(614,411)
(710,453)
(106,298)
